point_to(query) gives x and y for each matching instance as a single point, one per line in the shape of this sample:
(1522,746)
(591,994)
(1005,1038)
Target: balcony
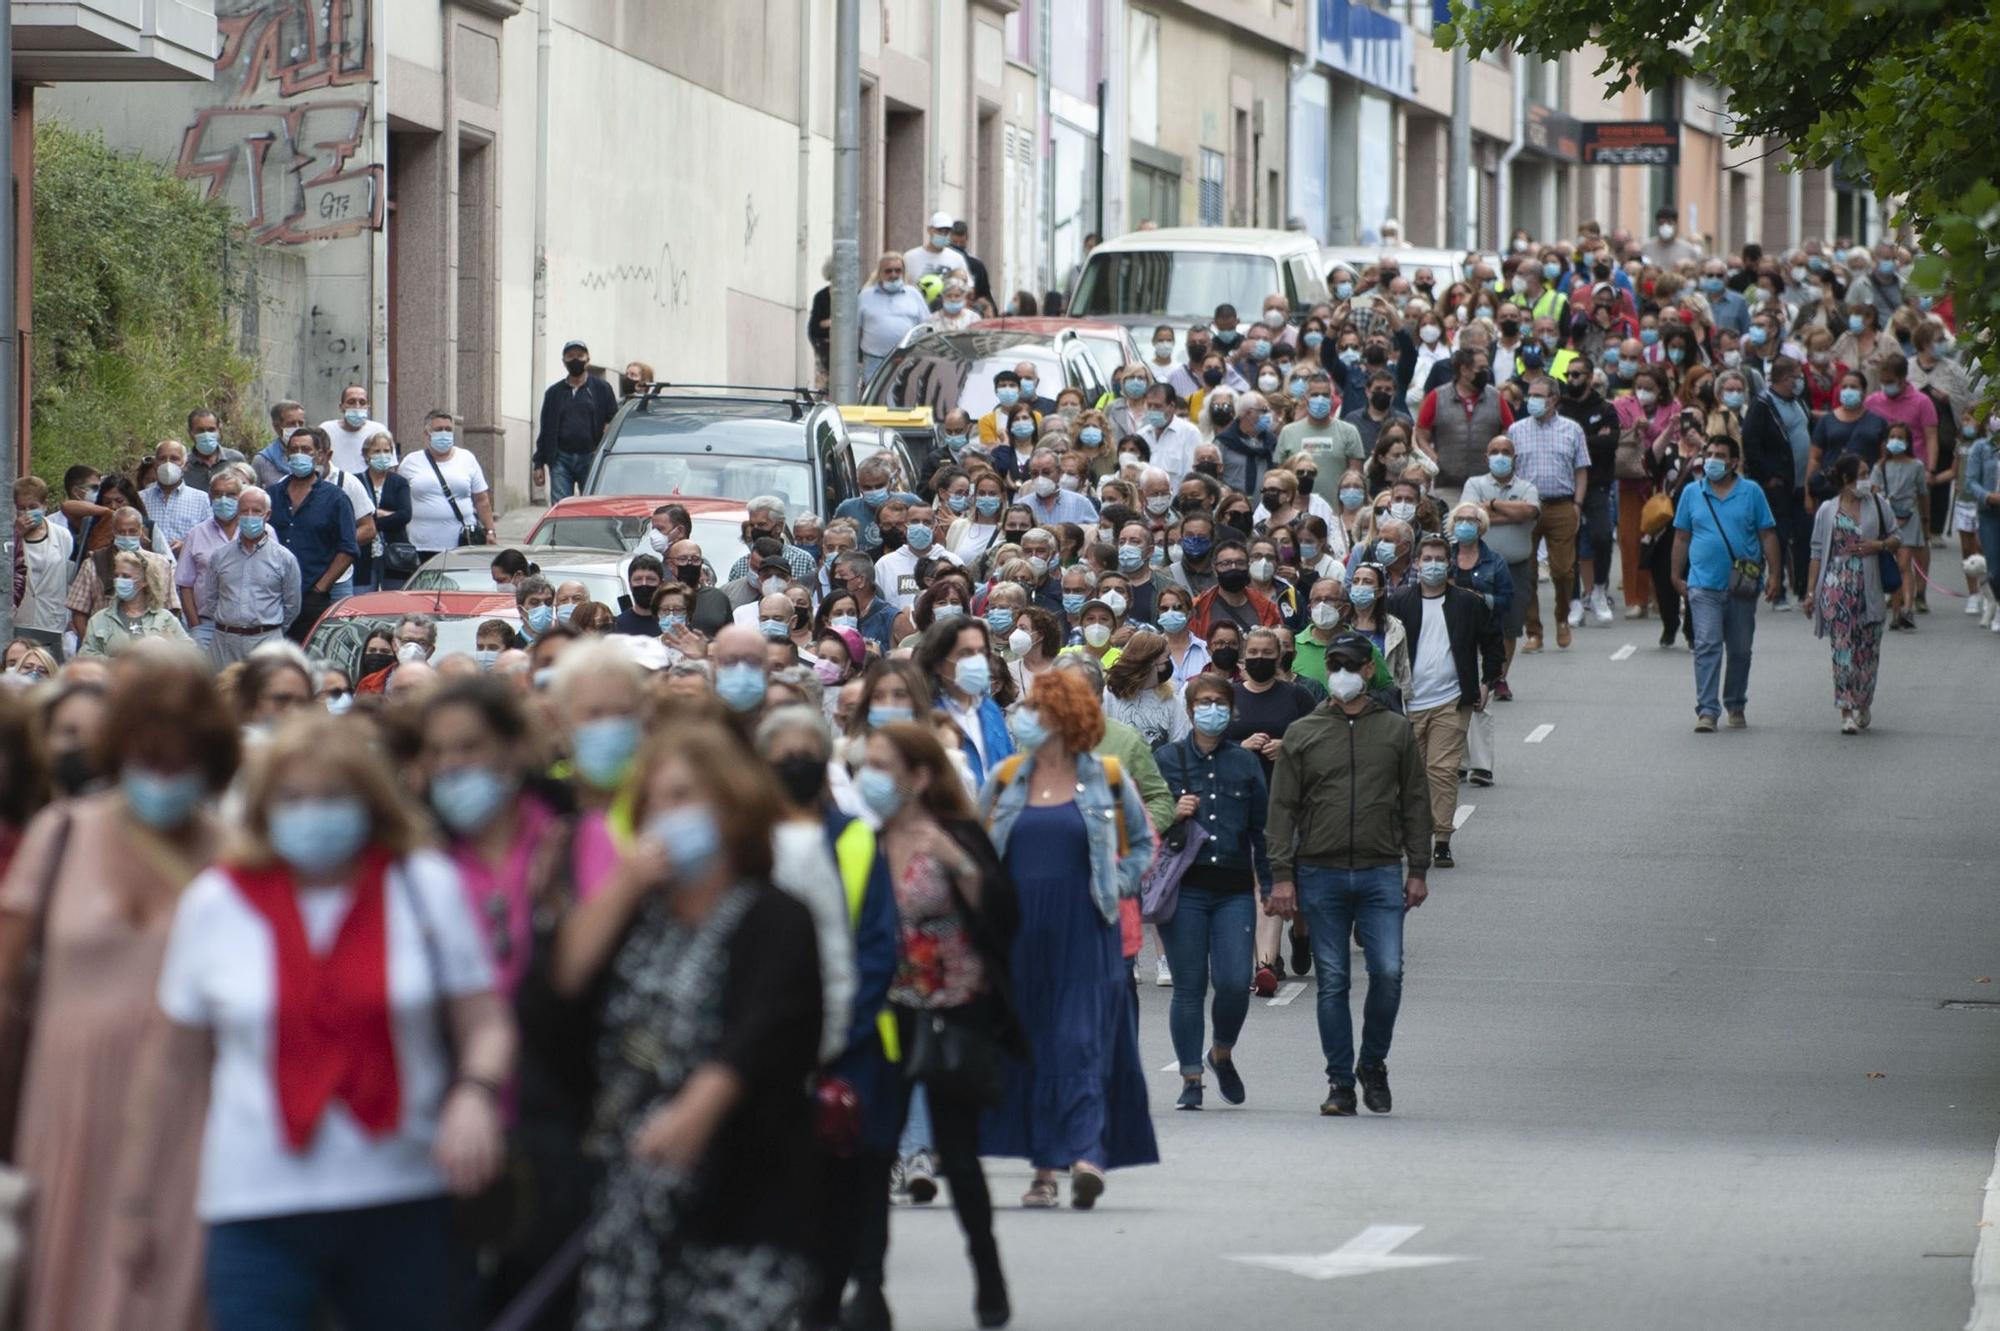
(113,41)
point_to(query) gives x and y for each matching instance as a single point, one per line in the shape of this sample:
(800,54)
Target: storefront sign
(1552,133)
(1367,46)
(1630,143)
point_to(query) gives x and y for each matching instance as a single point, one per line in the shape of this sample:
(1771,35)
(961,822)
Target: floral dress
(1843,608)
(936,965)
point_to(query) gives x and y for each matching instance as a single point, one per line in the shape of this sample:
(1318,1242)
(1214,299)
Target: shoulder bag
(1629,462)
(1885,560)
(954,1050)
(1746,576)
(399,558)
(469,533)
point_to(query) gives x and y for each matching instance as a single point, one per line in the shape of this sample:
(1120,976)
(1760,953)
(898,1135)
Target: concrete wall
(1210,72)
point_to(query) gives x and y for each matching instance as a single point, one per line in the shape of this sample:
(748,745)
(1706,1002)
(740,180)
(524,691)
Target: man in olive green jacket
(1349,809)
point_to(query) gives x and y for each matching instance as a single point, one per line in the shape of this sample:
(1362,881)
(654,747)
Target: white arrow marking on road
(1464,812)
(1539,733)
(1372,1250)
(1292,989)
(1624,652)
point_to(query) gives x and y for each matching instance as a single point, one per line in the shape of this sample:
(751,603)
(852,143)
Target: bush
(134,277)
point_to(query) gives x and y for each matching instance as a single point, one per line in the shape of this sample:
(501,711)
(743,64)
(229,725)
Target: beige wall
(1208,73)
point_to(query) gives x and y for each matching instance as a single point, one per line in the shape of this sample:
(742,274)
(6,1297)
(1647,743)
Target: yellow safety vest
(854,848)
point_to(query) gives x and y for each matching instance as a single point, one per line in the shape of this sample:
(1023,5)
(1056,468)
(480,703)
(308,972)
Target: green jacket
(1349,793)
(1128,746)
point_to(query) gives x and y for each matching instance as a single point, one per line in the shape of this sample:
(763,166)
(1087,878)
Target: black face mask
(1285,659)
(892,538)
(1166,671)
(1576,390)
(1195,351)
(373,662)
(1014,537)
(1185,506)
(1306,480)
(1509,327)
(72,771)
(1272,499)
(1225,658)
(1262,669)
(1482,381)
(689,574)
(1209,469)
(803,777)
(1381,401)
(1211,377)
(643,594)
(1232,580)
(576,367)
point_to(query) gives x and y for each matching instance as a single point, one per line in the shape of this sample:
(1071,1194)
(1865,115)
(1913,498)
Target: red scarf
(333,1036)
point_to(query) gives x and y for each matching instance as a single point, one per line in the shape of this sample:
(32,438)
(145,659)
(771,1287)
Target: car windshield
(601,583)
(942,382)
(340,639)
(1183,284)
(710,474)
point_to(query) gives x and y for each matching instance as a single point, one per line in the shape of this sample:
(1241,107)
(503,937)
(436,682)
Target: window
(1210,204)
(1142,66)
(1173,283)
(1155,187)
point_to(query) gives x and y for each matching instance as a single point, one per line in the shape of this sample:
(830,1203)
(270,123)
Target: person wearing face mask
(1323,435)
(897,570)
(1188,653)
(269,461)
(103,873)
(1346,876)
(1666,247)
(1221,791)
(1377,409)
(250,588)
(389,557)
(1265,705)
(954,313)
(1047,500)
(935,254)
(1455,657)
(1844,600)
(1599,421)
(1170,438)
(42,552)
(348,431)
(1478,569)
(1232,599)
(1726,308)
(1777,454)
(956,658)
(1721,527)
(1455,420)
(576,410)
(1552,455)
(1899,481)
(1248,443)
(208,454)
(138,609)
(1140,690)
(175,507)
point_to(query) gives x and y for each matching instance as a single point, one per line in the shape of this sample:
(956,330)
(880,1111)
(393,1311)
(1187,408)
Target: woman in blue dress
(1073,833)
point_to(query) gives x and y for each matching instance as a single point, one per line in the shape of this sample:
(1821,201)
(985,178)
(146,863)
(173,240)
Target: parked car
(1178,275)
(1447,266)
(907,435)
(727,442)
(618,522)
(470,569)
(943,370)
(346,626)
(1111,345)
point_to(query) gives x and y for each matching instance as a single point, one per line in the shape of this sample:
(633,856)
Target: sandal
(1041,1195)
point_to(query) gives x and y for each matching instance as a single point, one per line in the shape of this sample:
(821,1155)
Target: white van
(1447,266)
(1177,276)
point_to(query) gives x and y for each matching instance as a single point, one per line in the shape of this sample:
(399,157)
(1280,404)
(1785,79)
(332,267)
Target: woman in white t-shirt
(308,978)
(434,526)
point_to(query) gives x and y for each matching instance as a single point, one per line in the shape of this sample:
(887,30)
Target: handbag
(1160,885)
(1746,576)
(1885,561)
(1656,515)
(952,1051)
(469,533)
(400,558)
(1628,463)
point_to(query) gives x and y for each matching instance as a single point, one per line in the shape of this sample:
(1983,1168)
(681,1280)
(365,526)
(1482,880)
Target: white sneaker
(1576,614)
(1600,605)
(1972,604)
(1996,623)
(1162,977)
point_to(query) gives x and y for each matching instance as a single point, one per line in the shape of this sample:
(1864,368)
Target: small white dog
(1975,571)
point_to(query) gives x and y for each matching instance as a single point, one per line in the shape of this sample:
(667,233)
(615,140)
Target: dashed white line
(1539,733)
(1986,1258)
(1464,812)
(1291,989)
(1624,651)
(1174,1066)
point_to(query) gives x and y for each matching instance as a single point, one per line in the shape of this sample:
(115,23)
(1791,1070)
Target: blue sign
(1367,45)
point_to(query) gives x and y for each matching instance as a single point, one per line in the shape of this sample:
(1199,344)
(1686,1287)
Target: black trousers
(312,605)
(1673,610)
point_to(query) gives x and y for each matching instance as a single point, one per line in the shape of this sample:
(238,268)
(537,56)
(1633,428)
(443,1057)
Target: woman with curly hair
(1072,832)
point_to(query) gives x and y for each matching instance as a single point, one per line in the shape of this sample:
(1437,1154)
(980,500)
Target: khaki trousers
(1440,733)
(1557,525)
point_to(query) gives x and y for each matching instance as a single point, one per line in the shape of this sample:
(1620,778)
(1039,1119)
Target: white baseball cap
(941,221)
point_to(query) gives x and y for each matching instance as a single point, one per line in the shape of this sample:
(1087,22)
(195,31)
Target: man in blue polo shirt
(1722,523)
(312,518)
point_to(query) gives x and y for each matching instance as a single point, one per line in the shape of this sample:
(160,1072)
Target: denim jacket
(1112,876)
(1490,578)
(1982,469)
(1230,784)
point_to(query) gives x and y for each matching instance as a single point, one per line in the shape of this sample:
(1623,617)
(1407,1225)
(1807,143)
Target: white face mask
(1261,570)
(410,653)
(1045,486)
(1325,615)
(1096,634)
(1019,641)
(1344,685)
(1115,600)
(1666,231)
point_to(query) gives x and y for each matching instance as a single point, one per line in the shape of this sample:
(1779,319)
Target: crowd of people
(626,971)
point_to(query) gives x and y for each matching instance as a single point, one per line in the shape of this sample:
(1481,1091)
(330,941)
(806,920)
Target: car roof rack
(800,398)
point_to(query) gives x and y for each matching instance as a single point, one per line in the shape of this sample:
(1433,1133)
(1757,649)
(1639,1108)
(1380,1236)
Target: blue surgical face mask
(1733,400)
(919,537)
(251,525)
(1343,290)
(1898,446)
(879,792)
(1850,398)
(1361,595)
(1260,349)
(986,505)
(1501,465)
(124,588)
(1552,271)
(1000,619)
(224,508)
(1466,532)
(1028,387)
(874,498)
(1136,387)
(317,836)
(603,750)
(740,685)
(127,544)
(1676,354)
(773,630)
(1022,429)
(1711,285)
(1073,603)
(1855,323)
(1611,358)
(1308,553)
(563,612)
(1194,547)
(207,442)
(1090,436)
(1320,405)
(381,461)
(469,798)
(1211,718)
(539,617)
(299,464)
(1351,498)
(1432,572)
(1312,340)
(1649,335)
(691,838)
(958,503)
(671,622)
(1008,396)
(882,714)
(956,441)
(487,657)
(1385,552)
(356,417)
(1173,621)
(1131,558)
(1757,336)
(1028,730)
(1715,469)
(974,675)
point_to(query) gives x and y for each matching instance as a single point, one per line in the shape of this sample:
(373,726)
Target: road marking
(1986,1258)
(1286,993)
(1464,812)
(1624,651)
(1539,733)
(1372,1250)
(1174,1066)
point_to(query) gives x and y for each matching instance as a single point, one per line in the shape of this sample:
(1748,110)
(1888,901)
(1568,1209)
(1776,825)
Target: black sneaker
(866,1310)
(1302,952)
(1481,777)
(1227,1079)
(1190,1096)
(1339,1102)
(1441,856)
(1374,1087)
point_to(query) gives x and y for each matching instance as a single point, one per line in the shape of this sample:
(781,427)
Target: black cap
(1351,647)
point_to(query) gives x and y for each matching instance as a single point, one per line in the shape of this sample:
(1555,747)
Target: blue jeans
(379,1268)
(916,1125)
(567,473)
(1211,936)
(1721,623)
(1365,903)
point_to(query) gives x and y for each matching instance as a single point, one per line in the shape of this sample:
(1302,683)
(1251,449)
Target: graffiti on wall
(285,142)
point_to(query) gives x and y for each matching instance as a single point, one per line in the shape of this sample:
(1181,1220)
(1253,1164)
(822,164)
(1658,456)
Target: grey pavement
(1634,1071)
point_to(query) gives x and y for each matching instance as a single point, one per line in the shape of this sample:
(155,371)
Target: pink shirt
(196,550)
(498,895)
(1909,407)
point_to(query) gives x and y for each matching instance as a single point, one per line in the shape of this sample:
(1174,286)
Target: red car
(617,522)
(346,626)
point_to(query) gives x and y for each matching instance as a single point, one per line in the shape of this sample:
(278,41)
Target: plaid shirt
(798,561)
(1548,452)
(178,513)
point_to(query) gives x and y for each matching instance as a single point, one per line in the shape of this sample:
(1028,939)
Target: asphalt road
(1671,1054)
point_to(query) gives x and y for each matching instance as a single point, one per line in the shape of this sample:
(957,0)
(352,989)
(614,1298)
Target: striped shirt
(1548,453)
(177,512)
